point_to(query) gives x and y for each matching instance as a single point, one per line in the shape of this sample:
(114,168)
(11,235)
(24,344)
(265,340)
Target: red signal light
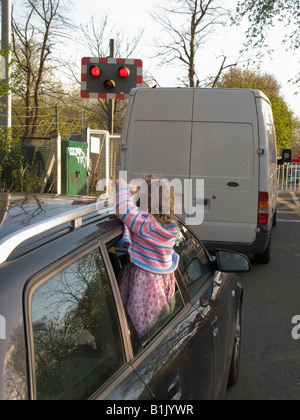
(124,72)
(95,71)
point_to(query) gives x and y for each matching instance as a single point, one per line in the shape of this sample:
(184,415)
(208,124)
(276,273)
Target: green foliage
(283,116)
(4,86)
(263,14)
(15,174)
(284,124)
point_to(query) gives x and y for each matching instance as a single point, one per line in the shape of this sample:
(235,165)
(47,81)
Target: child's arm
(126,209)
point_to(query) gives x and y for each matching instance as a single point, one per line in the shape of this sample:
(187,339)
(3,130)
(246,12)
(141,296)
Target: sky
(132,15)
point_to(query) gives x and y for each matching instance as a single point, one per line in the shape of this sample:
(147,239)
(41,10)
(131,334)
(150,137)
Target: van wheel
(236,353)
(265,257)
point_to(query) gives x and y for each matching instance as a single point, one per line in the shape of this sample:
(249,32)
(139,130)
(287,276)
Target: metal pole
(83,124)
(111,48)
(111,102)
(56,119)
(5,42)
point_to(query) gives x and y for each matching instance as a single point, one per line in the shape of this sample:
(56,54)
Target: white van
(224,136)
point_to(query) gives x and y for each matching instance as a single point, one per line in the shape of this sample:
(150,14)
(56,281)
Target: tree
(62,107)
(98,32)
(263,15)
(188,24)
(33,41)
(15,174)
(283,116)
(296,138)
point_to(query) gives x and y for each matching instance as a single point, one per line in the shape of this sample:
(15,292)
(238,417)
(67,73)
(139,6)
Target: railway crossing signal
(110,78)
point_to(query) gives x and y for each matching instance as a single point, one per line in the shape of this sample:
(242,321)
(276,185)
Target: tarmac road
(270,359)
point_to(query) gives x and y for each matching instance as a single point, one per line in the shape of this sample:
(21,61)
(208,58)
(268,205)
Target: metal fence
(104,157)
(29,165)
(47,155)
(288,177)
(45,158)
(43,155)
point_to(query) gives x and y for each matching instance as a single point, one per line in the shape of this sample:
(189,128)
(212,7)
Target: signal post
(110,78)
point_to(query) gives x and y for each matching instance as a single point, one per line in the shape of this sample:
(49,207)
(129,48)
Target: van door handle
(174,390)
(233,184)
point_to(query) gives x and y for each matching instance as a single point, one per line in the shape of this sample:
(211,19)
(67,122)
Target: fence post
(289,177)
(58,166)
(53,158)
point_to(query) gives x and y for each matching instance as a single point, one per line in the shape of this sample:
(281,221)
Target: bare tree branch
(187,25)
(221,70)
(33,41)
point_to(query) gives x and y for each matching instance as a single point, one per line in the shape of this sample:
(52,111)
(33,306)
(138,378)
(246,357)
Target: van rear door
(225,154)
(157,133)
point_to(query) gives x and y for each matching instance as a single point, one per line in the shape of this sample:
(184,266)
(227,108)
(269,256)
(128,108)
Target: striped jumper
(147,283)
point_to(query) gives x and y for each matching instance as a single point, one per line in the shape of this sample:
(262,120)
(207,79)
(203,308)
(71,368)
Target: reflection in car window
(167,313)
(194,265)
(186,246)
(77,344)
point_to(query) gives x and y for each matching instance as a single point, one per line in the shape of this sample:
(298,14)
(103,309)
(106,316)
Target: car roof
(23,217)
(18,211)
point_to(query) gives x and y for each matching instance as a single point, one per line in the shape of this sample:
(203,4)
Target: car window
(119,258)
(76,335)
(165,315)
(194,265)
(186,246)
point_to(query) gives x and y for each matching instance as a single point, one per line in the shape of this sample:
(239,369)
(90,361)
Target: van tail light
(263,208)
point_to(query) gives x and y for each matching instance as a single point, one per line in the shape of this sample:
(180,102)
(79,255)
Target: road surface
(270,360)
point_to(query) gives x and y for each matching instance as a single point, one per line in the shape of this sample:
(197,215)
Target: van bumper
(257,247)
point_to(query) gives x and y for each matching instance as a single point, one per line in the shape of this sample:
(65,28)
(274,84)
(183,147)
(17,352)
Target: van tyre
(265,257)
(236,352)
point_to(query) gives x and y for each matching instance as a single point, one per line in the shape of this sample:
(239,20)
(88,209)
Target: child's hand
(132,188)
(117,183)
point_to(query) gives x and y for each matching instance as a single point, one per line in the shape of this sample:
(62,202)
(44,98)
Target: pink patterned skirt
(144,294)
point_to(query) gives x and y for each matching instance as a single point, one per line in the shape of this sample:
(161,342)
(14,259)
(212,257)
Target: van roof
(257,93)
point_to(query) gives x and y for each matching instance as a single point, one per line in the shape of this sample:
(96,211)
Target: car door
(178,363)
(74,334)
(175,360)
(218,301)
(224,315)
(202,284)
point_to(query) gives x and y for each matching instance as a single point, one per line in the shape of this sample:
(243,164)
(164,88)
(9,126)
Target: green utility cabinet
(74,167)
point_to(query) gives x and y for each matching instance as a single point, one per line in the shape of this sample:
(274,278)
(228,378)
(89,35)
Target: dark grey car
(64,332)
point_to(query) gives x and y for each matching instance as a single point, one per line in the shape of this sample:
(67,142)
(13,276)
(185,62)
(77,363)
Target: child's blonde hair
(161,207)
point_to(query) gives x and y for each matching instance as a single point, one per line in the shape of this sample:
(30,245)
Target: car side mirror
(232,262)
